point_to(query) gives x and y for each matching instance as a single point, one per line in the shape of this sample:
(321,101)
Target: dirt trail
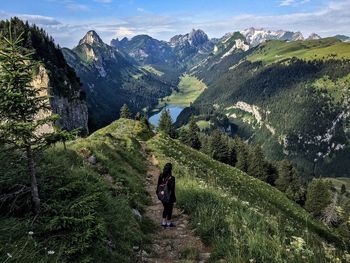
(170,244)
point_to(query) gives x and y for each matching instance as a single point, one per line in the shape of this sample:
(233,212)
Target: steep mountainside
(111,79)
(53,73)
(291,97)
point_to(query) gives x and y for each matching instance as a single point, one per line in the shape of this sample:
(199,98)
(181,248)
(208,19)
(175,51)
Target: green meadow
(189,89)
(323,49)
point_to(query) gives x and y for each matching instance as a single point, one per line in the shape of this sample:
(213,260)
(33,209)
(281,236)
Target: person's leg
(169,214)
(165,212)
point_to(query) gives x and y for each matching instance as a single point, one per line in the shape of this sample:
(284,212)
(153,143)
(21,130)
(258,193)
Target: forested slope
(291,97)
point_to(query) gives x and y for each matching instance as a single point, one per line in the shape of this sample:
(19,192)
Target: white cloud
(34,19)
(76,7)
(104,1)
(39,20)
(287,2)
(293,2)
(124,32)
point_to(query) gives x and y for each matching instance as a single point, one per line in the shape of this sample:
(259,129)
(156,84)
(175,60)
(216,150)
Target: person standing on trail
(166,194)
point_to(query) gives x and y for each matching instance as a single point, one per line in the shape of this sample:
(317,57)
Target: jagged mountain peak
(198,37)
(313,36)
(256,36)
(90,38)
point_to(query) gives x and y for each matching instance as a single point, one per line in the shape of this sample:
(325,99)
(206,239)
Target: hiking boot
(171,225)
(163,225)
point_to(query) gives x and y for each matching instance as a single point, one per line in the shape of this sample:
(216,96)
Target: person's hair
(167,170)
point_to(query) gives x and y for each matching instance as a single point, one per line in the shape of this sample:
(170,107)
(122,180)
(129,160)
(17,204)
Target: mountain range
(251,75)
(115,74)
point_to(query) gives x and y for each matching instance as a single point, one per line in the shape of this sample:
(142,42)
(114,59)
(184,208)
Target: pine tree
(166,124)
(193,138)
(20,106)
(184,136)
(289,182)
(218,147)
(242,155)
(257,165)
(287,175)
(232,152)
(125,112)
(318,197)
(272,174)
(144,120)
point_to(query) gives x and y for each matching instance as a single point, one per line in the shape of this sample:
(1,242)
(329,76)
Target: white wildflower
(9,255)
(50,252)
(30,233)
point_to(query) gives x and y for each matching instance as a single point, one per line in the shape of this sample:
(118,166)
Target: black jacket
(171,187)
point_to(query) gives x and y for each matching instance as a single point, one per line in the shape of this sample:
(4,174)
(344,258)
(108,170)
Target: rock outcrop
(72,109)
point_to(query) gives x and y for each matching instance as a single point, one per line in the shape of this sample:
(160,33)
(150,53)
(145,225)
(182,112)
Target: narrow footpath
(170,245)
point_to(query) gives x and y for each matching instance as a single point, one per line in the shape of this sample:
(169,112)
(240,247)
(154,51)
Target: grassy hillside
(324,49)
(242,218)
(86,211)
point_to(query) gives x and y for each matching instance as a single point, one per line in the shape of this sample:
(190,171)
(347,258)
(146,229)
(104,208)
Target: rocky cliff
(72,109)
(52,75)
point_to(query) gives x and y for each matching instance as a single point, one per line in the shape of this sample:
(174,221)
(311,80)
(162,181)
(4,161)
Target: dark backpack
(163,191)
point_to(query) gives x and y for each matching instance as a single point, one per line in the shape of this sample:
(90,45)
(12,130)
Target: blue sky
(68,20)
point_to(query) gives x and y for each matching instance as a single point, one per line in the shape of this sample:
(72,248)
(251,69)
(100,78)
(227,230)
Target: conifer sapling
(21,105)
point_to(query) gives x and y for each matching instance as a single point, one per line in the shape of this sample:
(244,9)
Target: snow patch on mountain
(256,36)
